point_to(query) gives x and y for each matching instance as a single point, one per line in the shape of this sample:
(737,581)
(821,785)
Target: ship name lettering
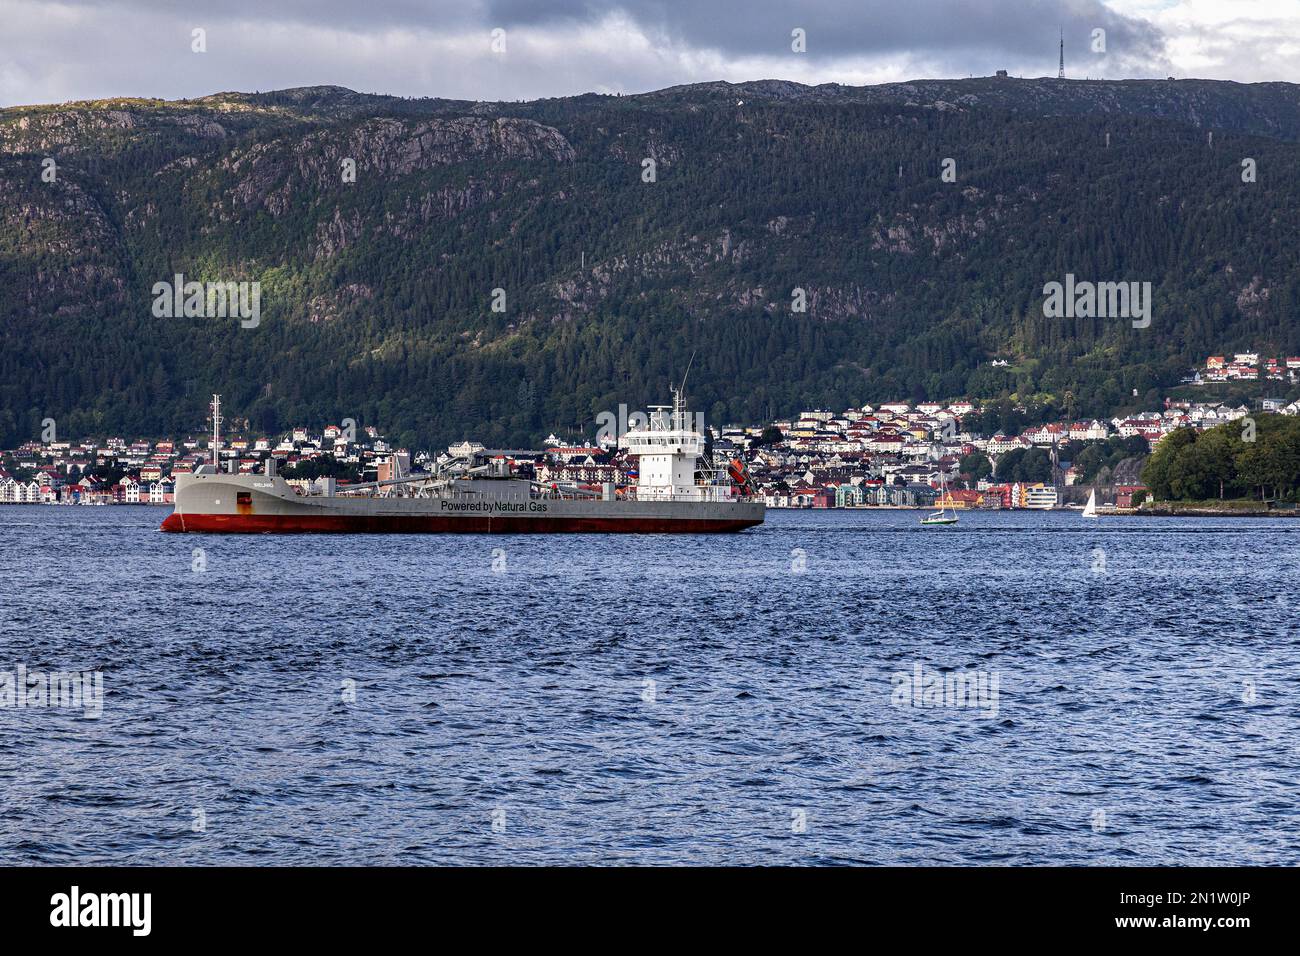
(506,506)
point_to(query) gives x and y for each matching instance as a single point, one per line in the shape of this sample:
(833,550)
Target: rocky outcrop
(73,130)
(59,248)
(267,174)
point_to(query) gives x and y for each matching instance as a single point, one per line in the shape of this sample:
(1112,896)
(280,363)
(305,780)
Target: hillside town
(1246,367)
(893,455)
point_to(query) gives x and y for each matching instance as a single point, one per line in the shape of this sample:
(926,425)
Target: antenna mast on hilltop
(216,430)
(1060,72)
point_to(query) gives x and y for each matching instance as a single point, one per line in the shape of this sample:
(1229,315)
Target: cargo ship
(475,490)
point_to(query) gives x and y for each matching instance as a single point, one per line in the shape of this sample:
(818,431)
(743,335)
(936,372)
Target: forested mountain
(377,295)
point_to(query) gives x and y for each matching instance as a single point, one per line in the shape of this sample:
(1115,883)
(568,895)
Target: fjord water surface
(656,699)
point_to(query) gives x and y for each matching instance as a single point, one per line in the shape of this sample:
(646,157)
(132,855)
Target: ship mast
(679,398)
(216,431)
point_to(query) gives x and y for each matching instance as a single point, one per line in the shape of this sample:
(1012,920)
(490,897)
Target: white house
(1089,431)
(1000,444)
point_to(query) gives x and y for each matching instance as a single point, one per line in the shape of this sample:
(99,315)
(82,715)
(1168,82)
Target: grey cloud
(840,28)
(557,47)
(835,27)
(357,15)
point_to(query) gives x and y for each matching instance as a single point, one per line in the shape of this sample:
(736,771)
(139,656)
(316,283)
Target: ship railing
(702,492)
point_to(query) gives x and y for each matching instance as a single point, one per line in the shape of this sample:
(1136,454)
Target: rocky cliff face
(79,256)
(267,174)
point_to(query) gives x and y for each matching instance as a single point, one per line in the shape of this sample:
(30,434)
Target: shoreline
(85,504)
(1163,511)
(1166,511)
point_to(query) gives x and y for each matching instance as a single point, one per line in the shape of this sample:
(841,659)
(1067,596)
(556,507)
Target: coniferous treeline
(377,294)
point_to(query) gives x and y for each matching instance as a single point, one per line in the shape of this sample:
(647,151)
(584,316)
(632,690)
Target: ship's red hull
(442,524)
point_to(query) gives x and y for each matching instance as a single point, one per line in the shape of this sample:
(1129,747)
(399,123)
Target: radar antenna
(216,431)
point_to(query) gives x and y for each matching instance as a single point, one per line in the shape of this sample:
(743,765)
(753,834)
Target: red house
(1124,495)
(1000,493)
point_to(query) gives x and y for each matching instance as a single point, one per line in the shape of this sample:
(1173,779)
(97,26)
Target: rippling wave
(741,699)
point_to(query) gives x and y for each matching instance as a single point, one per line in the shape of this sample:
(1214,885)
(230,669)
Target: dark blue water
(650,699)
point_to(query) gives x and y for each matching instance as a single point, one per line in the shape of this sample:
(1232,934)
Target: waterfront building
(1124,495)
(1039,497)
(850,496)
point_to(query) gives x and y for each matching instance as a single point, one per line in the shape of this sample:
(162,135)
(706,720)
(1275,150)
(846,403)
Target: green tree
(1007,466)
(1216,450)
(975,466)
(1156,473)
(1035,466)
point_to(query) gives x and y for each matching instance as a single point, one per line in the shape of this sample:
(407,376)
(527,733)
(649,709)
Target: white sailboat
(1090,509)
(942,516)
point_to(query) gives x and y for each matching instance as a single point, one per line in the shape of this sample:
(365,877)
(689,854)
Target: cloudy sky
(80,49)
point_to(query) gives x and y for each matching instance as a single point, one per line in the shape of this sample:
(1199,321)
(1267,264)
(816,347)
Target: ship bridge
(671,452)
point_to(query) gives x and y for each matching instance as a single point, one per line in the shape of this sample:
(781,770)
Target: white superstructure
(672,465)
